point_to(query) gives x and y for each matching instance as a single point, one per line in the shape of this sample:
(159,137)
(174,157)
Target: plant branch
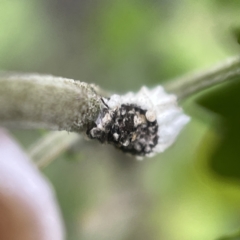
(190,84)
(50,146)
(38,101)
(35,101)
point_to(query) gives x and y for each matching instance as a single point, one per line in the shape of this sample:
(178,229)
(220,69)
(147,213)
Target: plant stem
(35,101)
(190,84)
(50,146)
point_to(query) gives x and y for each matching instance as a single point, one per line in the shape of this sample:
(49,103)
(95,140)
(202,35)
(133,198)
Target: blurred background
(190,192)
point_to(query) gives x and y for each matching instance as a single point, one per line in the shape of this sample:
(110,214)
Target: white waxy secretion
(151,116)
(116,136)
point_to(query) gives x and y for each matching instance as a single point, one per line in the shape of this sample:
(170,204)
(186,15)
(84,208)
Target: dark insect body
(127,128)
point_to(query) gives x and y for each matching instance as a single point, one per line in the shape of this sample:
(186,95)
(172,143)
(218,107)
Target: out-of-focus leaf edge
(235,236)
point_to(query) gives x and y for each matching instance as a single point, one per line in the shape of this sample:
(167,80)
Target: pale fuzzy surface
(42,101)
(28,208)
(169,115)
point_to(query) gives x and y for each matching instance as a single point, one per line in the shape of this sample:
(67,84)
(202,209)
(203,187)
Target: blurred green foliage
(189,192)
(225,103)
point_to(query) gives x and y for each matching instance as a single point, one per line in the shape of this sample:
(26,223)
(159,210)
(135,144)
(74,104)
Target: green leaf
(225,102)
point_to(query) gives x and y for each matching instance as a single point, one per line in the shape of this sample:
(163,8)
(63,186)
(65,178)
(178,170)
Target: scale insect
(140,124)
(127,128)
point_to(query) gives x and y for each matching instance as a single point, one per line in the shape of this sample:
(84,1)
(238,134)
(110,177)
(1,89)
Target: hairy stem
(35,101)
(193,83)
(38,101)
